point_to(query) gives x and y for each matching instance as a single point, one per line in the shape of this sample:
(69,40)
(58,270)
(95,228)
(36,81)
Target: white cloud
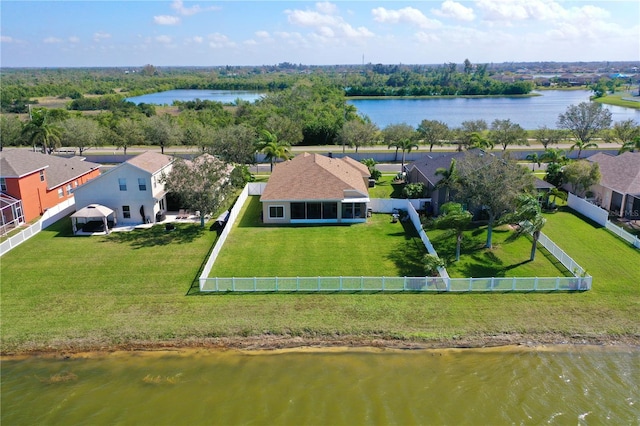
(262,34)
(52,40)
(327,8)
(407,15)
(178,5)
(455,10)
(326,23)
(99,36)
(198,39)
(218,41)
(166,20)
(6,39)
(74,39)
(164,39)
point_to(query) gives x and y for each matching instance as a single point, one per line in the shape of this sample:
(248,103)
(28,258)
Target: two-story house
(40,181)
(134,190)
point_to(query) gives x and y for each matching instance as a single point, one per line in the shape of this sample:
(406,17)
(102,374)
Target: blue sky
(209,33)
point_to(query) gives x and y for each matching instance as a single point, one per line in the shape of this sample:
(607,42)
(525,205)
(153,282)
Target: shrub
(413,190)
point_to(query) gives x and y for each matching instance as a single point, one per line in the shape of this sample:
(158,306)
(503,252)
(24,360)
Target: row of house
(310,188)
(33,182)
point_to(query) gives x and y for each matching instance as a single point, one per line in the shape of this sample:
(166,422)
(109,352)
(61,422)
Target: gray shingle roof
(620,173)
(16,163)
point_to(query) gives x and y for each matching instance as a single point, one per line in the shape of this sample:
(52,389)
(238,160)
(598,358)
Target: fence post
(255,283)
(492,278)
(276,283)
(557,283)
(513,284)
(448,284)
(341,283)
(297,283)
(233,283)
(318,283)
(361,283)
(217,285)
(470,283)
(382,283)
(535,284)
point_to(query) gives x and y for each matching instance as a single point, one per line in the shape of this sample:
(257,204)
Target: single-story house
(134,190)
(423,170)
(41,181)
(312,188)
(619,188)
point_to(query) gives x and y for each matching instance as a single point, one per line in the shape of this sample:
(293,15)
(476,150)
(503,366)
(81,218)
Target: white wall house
(130,189)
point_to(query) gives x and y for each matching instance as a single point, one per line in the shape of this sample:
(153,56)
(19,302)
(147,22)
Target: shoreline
(276,344)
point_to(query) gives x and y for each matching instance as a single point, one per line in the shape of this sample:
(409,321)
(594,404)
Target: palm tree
(530,220)
(554,155)
(406,145)
(454,217)
(631,145)
(449,177)
(41,131)
(272,148)
(581,145)
(535,159)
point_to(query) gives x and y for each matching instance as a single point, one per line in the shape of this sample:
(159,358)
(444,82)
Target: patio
(170,217)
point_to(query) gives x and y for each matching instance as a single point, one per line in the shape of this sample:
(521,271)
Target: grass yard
(385,188)
(508,258)
(63,293)
(375,248)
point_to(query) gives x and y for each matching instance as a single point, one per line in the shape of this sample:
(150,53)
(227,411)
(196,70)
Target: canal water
(564,385)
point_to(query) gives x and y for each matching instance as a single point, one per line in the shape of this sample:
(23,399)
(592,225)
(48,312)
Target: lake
(529,112)
(501,386)
(169,96)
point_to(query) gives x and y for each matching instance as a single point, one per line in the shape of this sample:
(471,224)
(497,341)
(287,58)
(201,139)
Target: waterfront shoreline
(273,343)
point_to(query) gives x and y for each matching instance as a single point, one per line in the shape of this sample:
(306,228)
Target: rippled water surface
(567,385)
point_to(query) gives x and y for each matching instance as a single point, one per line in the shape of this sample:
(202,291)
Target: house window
(142,184)
(276,212)
(126,212)
(122,182)
(3,184)
(60,192)
(41,175)
(69,189)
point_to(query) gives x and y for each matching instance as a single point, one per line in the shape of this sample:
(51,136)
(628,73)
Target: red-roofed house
(312,188)
(40,181)
(619,188)
(133,190)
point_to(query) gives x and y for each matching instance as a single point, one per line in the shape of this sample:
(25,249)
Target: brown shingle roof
(150,161)
(16,163)
(621,172)
(315,177)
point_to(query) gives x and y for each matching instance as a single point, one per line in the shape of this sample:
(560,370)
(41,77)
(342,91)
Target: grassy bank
(65,293)
(617,99)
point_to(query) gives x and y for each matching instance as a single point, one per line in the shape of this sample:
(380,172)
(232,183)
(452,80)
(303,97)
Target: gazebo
(93,213)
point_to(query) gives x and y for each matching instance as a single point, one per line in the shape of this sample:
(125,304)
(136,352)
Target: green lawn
(509,257)
(60,292)
(375,248)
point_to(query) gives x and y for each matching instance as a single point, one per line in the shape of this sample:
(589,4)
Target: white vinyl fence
(601,217)
(443,283)
(628,237)
(49,217)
